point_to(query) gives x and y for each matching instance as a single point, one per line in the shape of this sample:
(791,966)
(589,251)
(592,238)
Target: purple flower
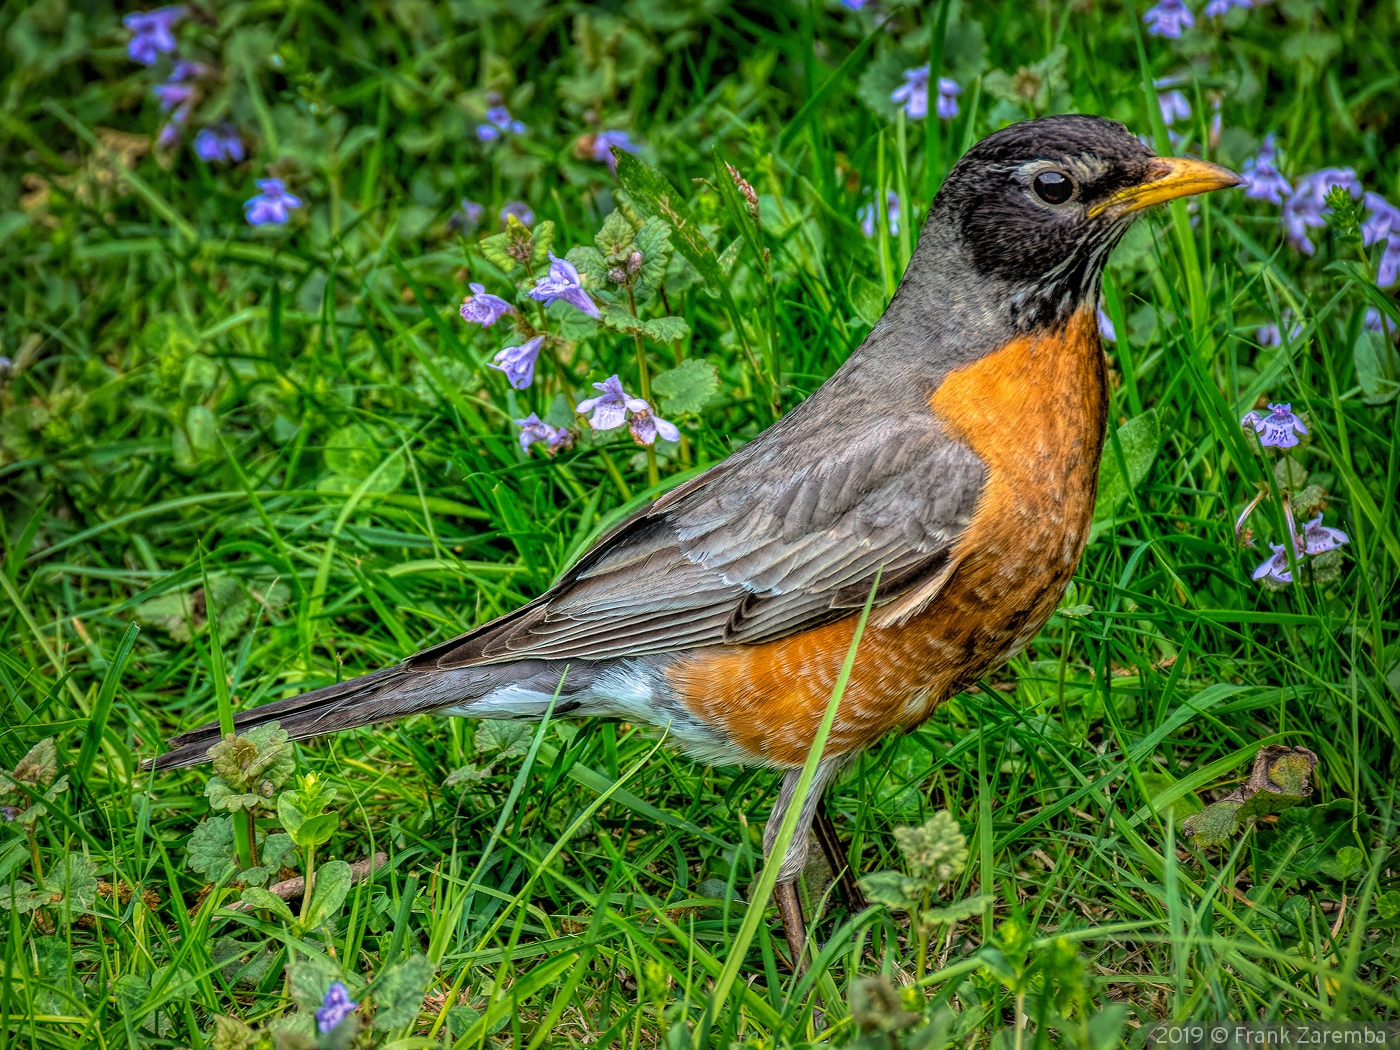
(1174,106)
(467,217)
(1216,8)
(500,122)
(1106,327)
(948,92)
(1388,269)
(866,215)
(604,142)
(1275,567)
(170,133)
(610,408)
(854,5)
(1262,180)
(483,308)
(646,427)
(1271,335)
(533,429)
(1280,428)
(520,210)
(270,206)
(151,35)
(913,93)
(518,362)
(1374,322)
(1168,18)
(219,144)
(1383,221)
(1308,203)
(335,1007)
(564,283)
(1318,537)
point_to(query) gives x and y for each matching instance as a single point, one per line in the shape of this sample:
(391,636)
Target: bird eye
(1053,187)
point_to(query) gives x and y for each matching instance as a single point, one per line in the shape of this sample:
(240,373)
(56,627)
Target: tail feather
(394,692)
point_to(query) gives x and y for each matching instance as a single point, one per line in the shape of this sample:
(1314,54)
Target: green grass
(292,430)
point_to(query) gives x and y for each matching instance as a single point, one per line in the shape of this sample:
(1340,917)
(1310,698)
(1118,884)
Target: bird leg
(785,891)
(846,884)
(794,928)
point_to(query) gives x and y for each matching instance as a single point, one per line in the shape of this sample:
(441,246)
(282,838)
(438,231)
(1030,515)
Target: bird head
(1035,208)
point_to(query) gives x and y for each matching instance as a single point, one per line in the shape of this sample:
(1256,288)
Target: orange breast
(1034,412)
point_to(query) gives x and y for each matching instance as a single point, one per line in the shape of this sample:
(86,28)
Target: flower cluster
(1174,106)
(533,429)
(912,95)
(1316,538)
(270,207)
(612,407)
(564,283)
(1279,429)
(335,1007)
(866,215)
(1305,208)
(499,122)
(1383,222)
(1262,179)
(605,141)
(1168,18)
(151,34)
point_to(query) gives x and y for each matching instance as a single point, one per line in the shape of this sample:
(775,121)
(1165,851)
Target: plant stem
(310,875)
(252,832)
(34,856)
(653,475)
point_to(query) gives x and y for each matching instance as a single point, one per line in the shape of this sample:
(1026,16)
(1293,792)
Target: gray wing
(784,535)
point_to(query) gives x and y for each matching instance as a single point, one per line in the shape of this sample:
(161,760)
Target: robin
(955,454)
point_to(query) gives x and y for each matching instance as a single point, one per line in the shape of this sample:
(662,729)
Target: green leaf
(655,197)
(574,324)
(1213,826)
(398,994)
(210,851)
(1105,1027)
(1140,439)
(934,852)
(666,329)
(956,912)
(1156,783)
(501,738)
(467,774)
(332,884)
(892,889)
(542,240)
(263,900)
(1345,863)
(75,880)
(620,320)
(494,248)
(23,897)
(686,388)
(615,238)
(654,242)
(1377,367)
(1388,906)
(867,298)
(316,830)
(591,265)
(277,849)
(354,453)
(231,1034)
(223,797)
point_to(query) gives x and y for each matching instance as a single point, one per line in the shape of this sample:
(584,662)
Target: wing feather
(755,549)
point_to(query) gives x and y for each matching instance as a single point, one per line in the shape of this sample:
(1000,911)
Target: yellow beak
(1167,179)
